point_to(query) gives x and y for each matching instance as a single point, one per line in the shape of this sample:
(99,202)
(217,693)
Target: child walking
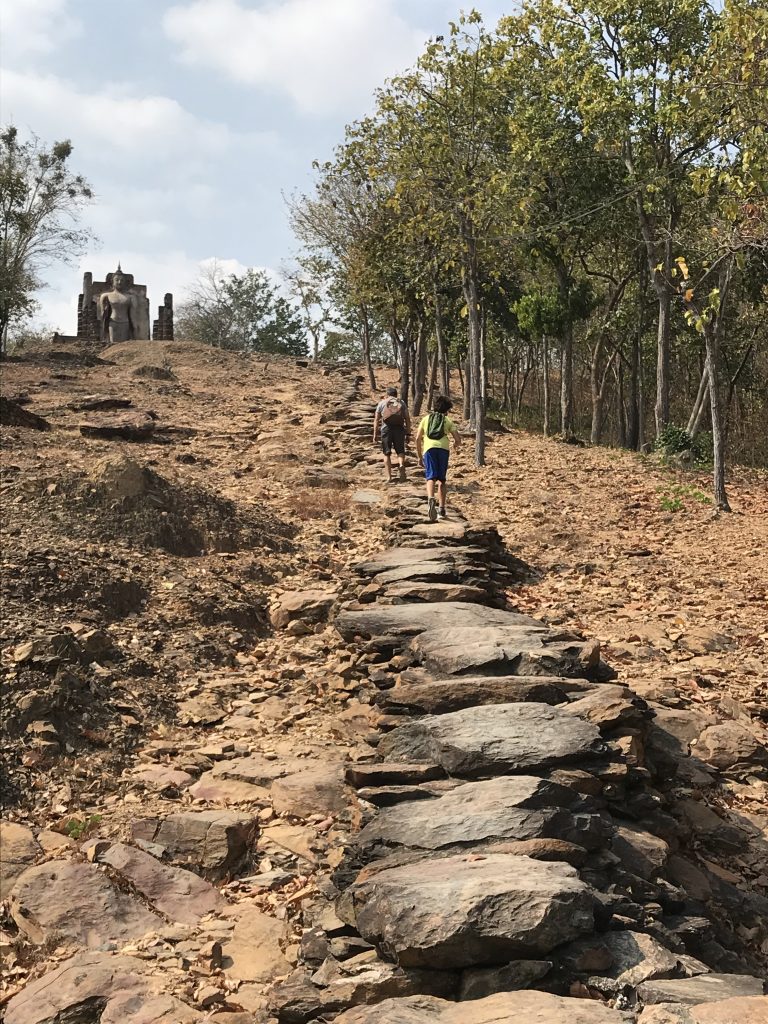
(432,446)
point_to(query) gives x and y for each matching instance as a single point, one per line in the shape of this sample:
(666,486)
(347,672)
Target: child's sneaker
(442,513)
(432,510)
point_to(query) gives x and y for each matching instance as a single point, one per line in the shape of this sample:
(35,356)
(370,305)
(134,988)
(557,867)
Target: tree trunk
(545,383)
(700,405)
(467,409)
(475,363)
(661,409)
(566,361)
(712,342)
(421,363)
(621,423)
(597,391)
(432,390)
(442,355)
(366,341)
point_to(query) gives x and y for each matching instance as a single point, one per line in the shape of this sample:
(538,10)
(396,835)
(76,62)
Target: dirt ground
(138,576)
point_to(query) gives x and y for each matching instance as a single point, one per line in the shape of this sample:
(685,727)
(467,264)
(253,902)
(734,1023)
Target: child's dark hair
(442,404)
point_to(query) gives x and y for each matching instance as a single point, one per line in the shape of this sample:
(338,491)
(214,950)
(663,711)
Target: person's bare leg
(441,488)
(431,506)
(401,461)
(388,464)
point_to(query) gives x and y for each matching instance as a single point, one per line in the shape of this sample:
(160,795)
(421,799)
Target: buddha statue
(118,311)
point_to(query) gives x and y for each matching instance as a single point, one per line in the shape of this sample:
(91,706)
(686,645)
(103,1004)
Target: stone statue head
(118,279)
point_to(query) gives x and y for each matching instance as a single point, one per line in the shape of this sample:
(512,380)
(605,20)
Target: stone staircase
(517,861)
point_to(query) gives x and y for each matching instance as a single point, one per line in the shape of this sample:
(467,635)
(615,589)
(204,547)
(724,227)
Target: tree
(40,203)
(241,312)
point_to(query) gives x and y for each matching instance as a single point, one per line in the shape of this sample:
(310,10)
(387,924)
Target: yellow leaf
(688,294)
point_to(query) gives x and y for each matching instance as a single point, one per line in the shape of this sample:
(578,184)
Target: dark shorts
(393,437)
(436,464)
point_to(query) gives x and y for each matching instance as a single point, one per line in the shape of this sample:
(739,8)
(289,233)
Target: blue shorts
(436,464)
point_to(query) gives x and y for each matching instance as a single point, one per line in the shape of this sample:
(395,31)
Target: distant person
(394,419)
(433,439)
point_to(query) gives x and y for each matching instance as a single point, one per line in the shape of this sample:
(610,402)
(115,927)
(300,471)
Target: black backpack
(436,426)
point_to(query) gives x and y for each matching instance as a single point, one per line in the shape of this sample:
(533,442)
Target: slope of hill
(215,639)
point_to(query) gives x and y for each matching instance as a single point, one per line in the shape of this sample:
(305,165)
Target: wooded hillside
(565,217)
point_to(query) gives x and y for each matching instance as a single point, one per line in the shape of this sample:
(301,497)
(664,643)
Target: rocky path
(482,834)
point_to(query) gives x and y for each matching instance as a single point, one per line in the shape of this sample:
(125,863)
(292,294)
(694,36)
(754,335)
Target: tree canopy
(40,203)
(243,312)
(574,201)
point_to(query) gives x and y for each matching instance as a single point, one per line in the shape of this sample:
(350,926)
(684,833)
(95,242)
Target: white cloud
(326,56)
(113,124)
(35,27)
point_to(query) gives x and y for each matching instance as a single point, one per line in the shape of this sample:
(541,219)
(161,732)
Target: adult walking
(394,420)
(433,439)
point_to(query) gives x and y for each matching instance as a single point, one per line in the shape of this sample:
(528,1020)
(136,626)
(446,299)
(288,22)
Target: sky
(192,119)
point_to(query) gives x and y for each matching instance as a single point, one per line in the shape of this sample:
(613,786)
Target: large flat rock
(218,843)
(500,739)
(456,912)
(394,559)
(704,988)
(502,646)
(439,696)
(501,1008)
(77,902)
(518,807)
(97,980)
(385,621)
(180,895)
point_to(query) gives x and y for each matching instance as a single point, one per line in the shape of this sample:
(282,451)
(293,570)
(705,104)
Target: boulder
(391,773)
(88,987)
(400,621)
(615,960)
(299,1000)
(502,649)
(319,790)
(461,911)
(495,740)
(253,952)
(609,708)
(417,592)
(14,415)
(224,791)
(728,744)
(501,1008)
(641,852)
(439,696)
(736,1010)
(18,850)
(128,427)
(99,403)
(119,477)
(77,902)
(180,895)
(521,807)
(217,843)
(309,606)
(479,982)
(704,988)
(393,560)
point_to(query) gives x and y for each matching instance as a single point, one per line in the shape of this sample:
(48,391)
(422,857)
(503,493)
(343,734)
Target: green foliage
(40,201)
(79,828)
(241,312)
(673,499)
(672,440)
